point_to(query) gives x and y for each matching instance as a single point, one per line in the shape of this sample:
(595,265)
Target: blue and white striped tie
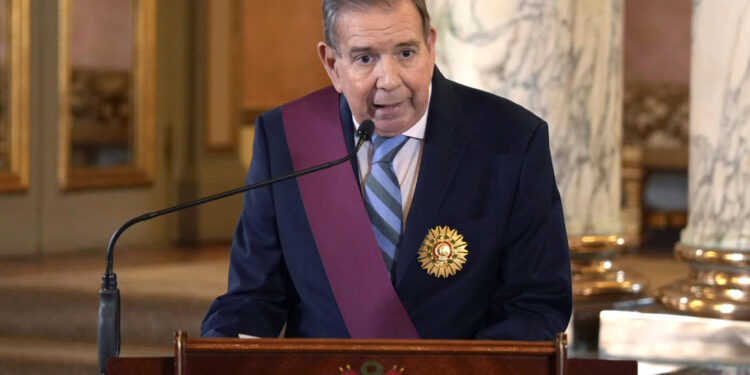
(383,196)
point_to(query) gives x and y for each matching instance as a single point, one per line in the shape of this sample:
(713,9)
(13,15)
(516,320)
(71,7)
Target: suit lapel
(444,144)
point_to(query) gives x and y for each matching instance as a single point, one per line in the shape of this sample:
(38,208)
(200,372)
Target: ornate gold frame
(141,172)
(17,178)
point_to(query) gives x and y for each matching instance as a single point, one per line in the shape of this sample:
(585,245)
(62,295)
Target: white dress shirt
(406,163)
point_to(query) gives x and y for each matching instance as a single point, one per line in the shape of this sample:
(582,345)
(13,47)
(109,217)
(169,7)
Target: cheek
(359,90)
(358,97)
(420,90)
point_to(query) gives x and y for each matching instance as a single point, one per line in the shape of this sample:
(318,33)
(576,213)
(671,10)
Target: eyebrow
(357,49)
(408,44)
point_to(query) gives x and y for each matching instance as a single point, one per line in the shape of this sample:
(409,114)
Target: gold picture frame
(223,47)
(16,178)
(140,170)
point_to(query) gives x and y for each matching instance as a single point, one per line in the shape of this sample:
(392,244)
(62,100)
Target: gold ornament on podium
(443,252)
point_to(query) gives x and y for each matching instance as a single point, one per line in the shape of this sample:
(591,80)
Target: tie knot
(386,148)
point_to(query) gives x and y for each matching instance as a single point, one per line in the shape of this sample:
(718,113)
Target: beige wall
(280,57)
(657,40)
(213,109)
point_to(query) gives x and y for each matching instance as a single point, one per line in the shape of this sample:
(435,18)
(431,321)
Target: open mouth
(385,106)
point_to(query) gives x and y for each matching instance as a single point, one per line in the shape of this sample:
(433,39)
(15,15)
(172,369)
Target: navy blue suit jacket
(485,171)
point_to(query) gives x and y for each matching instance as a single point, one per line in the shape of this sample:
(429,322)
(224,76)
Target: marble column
(716,242)
(563,61)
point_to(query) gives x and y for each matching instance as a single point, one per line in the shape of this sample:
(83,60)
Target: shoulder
(485,105)
(326,98)
(272,116)
(495,120)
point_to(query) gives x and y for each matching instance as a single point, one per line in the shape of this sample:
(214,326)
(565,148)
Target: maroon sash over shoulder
(338,219)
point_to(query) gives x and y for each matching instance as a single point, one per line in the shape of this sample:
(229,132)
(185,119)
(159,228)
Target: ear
(328,56)
(431,40)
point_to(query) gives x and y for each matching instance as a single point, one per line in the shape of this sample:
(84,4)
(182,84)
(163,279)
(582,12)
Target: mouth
(386,106)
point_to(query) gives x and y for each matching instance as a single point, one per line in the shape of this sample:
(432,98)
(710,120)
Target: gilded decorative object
(595,274)
(632,190)
(14,112)
(443,252)
(371,368)
(718,284)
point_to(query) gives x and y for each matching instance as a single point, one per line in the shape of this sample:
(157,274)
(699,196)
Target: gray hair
(331,8)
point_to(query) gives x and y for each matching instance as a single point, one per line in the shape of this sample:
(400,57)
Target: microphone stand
(108,334)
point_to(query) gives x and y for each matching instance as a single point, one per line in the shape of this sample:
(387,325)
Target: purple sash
(338,219)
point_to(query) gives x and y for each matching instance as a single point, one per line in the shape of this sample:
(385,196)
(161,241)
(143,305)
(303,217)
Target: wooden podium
(365,357)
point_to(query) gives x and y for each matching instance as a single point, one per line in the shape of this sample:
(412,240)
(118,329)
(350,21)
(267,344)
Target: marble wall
(563,61)
(719,171)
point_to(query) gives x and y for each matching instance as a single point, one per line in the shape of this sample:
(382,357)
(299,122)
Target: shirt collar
(417,130)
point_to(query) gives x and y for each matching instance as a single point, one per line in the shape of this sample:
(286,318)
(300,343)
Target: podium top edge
(370,346)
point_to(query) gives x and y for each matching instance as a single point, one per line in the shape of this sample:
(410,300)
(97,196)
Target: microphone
(108,334)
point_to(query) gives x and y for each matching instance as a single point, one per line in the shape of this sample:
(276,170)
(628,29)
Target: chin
(392,127)
(389,128)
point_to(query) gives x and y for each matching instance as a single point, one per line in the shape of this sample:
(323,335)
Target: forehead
(379,26)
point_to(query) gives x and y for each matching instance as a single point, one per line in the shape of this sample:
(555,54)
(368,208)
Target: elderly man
(448,225)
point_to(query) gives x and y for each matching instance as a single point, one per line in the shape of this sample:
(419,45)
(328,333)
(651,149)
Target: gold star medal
(443,252)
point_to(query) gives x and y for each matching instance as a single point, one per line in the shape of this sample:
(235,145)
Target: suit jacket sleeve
(256,302)
(533,298)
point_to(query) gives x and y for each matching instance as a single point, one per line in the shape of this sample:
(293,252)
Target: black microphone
(108,334)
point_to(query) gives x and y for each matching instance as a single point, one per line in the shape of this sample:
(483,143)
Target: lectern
(364,357)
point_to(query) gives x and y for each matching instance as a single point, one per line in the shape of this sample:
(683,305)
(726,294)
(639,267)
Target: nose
(388,75)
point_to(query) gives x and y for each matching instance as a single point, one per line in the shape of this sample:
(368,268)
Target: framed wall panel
(106,62)
(14,95)
(223,46)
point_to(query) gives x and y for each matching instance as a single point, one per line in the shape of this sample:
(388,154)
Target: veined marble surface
(719,172)
(563,61)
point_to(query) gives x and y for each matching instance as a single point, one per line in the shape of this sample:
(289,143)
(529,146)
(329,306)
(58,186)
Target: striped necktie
(383,196)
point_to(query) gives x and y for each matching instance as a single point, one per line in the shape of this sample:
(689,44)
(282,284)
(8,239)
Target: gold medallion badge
(443,252)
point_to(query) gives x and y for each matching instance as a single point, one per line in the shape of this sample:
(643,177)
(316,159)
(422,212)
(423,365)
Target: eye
(407,53)
(364,59)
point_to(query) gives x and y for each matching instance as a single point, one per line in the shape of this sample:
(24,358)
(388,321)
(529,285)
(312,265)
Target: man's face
(383,66)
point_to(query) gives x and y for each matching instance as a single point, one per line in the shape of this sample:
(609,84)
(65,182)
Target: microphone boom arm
(108,333)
